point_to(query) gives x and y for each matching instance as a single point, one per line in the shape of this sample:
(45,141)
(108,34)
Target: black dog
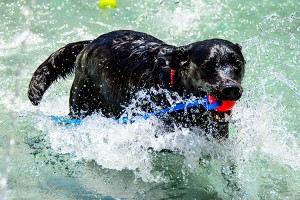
(112,68)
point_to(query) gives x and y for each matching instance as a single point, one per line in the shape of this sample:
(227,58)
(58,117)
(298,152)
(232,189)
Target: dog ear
(174,57)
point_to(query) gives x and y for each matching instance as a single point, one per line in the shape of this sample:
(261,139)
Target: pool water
(100,159)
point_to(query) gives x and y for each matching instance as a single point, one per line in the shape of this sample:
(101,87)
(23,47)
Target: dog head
(210,67)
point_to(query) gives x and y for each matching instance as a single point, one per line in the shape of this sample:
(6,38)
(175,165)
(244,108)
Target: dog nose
(232,92)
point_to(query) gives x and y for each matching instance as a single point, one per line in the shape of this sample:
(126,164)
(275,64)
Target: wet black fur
(112,68)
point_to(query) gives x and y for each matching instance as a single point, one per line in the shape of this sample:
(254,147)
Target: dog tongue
(224,107)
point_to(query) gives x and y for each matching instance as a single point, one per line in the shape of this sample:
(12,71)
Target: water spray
(28,15)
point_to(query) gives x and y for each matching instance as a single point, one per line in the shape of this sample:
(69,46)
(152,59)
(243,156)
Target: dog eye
(235,61)
(238,65)
(232,57)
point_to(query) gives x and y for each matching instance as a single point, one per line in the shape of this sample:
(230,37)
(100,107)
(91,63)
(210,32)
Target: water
(103,160)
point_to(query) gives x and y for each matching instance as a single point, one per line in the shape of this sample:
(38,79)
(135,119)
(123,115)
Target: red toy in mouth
(224,107)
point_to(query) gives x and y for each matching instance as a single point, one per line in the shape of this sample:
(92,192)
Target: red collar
(172,73)
(167,78)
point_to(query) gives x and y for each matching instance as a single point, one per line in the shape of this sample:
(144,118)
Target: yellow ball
(107,4)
